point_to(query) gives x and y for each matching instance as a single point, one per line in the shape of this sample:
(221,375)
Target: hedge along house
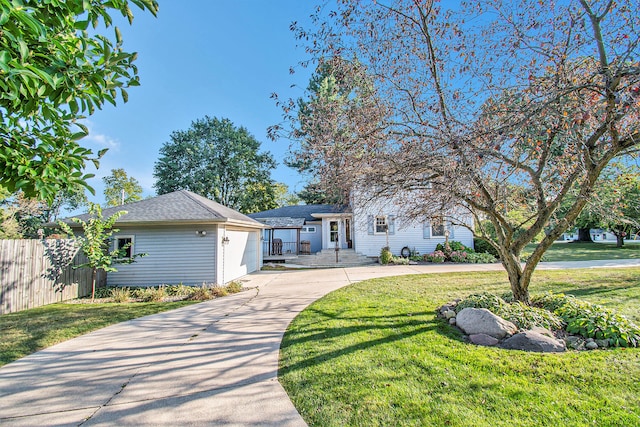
(188,239)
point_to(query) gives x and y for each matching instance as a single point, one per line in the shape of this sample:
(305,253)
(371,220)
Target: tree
(55,68)
(95,241)
(217,160)
(283,197)
(313,193)
(470,100)
(120,188)
(614,204)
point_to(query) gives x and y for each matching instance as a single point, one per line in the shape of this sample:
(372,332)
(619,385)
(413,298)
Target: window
(125,245)
(333,231)
(381,224)
(309,229)
(437,226)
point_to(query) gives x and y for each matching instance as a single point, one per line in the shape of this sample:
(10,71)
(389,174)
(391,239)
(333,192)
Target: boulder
(534,341)
(483,339)
(482,321)
(452,321)
(543,331)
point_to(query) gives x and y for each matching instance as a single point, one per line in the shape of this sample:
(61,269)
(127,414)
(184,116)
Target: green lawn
(374,354)
(574,251)
(31,330)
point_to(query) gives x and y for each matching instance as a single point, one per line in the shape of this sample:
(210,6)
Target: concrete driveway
(213,363)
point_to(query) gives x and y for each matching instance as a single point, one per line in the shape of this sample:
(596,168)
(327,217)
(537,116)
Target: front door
(337,230)
(334,234)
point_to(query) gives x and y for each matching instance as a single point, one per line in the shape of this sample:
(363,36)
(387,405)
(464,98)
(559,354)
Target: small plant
(591,320)
(234,287)
(480,258)
(201,293)
(521,315)
(179,290)
(219,291)
(120,294)
(435,256)
(398,260)
(385,255)
(151,294)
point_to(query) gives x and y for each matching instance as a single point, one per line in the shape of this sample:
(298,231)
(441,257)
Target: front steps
(327,258)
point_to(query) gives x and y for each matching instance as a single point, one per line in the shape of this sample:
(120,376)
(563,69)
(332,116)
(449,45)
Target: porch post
(297,241)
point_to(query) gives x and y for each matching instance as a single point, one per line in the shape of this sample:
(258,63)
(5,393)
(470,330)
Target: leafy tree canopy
(219,161)
(56,67)
(120,188)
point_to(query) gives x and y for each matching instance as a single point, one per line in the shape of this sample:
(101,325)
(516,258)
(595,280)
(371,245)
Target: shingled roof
(298,211)
(178,207)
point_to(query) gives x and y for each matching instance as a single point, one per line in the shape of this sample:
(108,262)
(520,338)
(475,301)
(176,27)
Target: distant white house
(188,239)
(363,227)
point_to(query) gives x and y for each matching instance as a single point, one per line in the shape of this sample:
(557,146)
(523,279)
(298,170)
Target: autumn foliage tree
(464,103)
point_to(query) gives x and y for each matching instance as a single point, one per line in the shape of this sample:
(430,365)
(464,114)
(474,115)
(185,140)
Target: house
(297,229)
(188,239)
(364,228)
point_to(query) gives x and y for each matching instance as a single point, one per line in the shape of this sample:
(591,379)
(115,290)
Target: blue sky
(201,57)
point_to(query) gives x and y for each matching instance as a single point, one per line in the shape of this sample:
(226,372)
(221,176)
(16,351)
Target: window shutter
(370,224)
(426,229)
(392,224)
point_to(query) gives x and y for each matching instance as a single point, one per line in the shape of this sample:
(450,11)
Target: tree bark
(619,240)
(584,235)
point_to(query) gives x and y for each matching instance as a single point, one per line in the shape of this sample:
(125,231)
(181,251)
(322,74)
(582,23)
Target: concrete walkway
(213,363)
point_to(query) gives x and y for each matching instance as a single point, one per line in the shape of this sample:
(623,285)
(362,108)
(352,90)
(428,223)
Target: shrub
(482,246)
(103,292)
(435,256)
(455,246)
(591,320)
(120,294)
(457,256)
(480,258)
(385,255)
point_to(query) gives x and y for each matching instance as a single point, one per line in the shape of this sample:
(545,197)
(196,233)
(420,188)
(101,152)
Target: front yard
(375,354)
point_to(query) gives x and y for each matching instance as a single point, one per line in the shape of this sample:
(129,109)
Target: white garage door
(240,254)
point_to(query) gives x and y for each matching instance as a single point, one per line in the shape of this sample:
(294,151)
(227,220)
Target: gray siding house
(188,239)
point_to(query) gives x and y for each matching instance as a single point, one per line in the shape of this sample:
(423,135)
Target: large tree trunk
(584,235)
(619,240)
(518,278)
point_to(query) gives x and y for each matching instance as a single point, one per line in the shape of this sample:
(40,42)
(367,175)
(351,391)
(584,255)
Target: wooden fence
(39,272)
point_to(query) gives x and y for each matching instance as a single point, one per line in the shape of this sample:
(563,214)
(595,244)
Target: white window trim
(118,237)
(307,229)
(375,224)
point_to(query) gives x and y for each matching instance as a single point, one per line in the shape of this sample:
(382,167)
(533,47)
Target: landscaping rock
(534,341)
(449,314)
(452,321)
(591,345)
(482,321)
(483,339)
(575,342)
(602,343)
